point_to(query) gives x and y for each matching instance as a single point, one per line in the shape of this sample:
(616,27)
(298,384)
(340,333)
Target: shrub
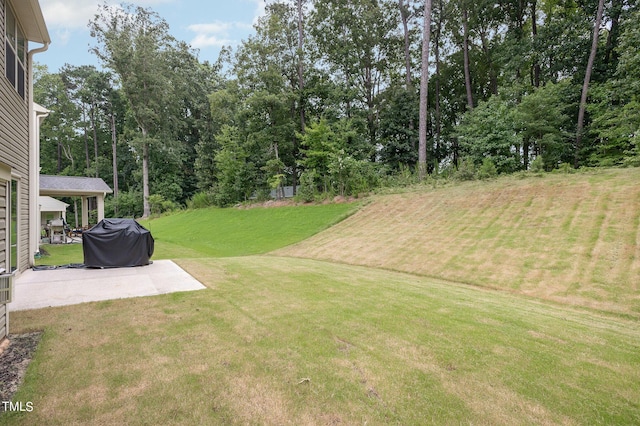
(201,200)
(307,191)
(158,204)
(466,170)
(128,204)
(537,165)
(488,169)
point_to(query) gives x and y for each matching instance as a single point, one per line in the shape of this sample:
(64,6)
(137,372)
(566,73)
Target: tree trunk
(612,38)
(465,52)
(493,78)
(145,175)
(114,151)
(424,86)
(404,15)
(95,139)
(301,86)
(436,48)
(301,66)
(86,139)
(59,157)
(534,33)
(585,85)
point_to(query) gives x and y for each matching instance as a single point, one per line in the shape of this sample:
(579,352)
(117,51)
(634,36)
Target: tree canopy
(322,97)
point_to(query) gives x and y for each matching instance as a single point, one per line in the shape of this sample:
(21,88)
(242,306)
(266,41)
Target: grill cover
(117,242)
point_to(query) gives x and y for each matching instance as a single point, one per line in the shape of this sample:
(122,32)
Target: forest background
(325,97)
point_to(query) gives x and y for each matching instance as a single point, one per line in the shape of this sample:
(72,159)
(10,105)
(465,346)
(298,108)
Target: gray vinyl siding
(14,144)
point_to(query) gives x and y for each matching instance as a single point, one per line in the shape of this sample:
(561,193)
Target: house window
(15,53)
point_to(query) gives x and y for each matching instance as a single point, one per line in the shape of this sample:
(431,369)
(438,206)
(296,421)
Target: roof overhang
(48,204)
(73,192)
(31,20)
(73,186)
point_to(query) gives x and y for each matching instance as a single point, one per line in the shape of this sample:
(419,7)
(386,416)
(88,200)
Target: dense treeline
(325,96)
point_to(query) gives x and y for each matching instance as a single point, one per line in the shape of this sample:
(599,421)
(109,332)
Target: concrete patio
(59,287)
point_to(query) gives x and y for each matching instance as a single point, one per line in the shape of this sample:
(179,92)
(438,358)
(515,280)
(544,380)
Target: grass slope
(292,341)
(217,232)
(574,239)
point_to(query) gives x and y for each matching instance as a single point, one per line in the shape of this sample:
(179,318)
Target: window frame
(15,51)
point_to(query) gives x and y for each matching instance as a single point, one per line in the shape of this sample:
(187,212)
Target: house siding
(14,145)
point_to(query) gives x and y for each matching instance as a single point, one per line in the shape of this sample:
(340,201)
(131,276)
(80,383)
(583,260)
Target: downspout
(34,160)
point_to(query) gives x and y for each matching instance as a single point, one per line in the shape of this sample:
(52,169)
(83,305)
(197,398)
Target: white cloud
(214,34)
(62,37)
(221,33)
(260,10)
(76,14)
(215,28)
(69,14)
(203,40)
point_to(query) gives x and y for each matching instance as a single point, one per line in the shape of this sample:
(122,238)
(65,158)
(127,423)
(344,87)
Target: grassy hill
(277,339)
(573,239)
(215,232)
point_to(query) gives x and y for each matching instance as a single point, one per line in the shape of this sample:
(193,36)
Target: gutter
(34,160)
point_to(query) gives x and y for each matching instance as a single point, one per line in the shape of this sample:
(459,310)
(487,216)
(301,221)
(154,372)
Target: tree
(587,79)
(398,140)
(543,124)
(616,110)
(424,89)
(131,43)
(465,52)
(319,143)
(234,172)
(223,103)
(91,90)
(489,130)
(356,41)
(59,142)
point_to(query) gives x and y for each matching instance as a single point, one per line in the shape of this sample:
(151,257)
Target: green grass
(286,340)
(217,232)
(292,341)
(538,236)
(61,254)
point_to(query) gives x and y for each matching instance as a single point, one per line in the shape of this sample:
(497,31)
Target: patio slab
(59,287)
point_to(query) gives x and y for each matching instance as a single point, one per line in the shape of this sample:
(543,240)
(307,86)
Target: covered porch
(92,191)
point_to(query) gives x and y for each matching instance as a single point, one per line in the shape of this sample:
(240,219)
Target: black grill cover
(117,242)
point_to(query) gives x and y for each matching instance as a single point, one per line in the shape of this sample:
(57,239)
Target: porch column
(85,211)
(100,199)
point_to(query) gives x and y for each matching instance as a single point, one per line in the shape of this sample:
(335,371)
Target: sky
(206,25)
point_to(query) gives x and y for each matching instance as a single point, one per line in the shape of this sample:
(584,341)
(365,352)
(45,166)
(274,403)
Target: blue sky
(205,24)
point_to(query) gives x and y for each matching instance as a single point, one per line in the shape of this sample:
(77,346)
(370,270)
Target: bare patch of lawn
(291,341)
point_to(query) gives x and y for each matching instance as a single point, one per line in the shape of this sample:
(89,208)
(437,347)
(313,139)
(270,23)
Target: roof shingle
(73,183)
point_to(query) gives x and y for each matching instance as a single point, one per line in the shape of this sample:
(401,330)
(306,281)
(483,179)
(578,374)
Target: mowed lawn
(277,340)
(214,232)
(282,338)
(573,239)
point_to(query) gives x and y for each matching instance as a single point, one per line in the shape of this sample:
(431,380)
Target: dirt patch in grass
(15,357)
